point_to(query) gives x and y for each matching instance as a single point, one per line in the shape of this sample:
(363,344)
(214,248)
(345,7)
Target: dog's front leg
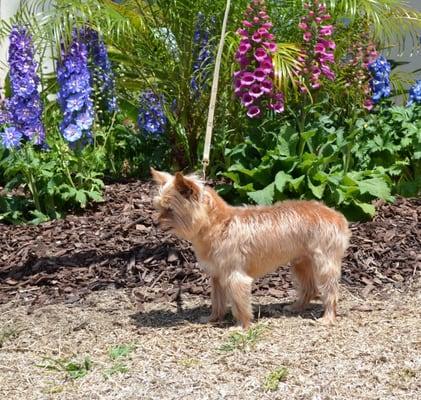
(239,292)
(219,301)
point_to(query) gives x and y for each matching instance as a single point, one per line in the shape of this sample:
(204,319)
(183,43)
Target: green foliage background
(325,146)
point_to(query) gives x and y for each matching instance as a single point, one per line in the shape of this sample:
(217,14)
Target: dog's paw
(211,319)
(327,320)
(294,308)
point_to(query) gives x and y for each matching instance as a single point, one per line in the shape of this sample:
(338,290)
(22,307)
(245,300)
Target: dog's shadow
(166,318)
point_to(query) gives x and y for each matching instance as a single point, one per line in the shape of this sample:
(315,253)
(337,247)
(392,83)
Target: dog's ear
(161,178)
(186,186)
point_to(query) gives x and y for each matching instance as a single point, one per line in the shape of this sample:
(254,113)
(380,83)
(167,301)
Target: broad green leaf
(281,179)
(348,181)
(367,208)
(296,183)
(376,187)
(264,196)
(81,197)
(95,196)
(316,190)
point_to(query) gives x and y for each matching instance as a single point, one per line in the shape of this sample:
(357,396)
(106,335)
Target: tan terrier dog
(236,245)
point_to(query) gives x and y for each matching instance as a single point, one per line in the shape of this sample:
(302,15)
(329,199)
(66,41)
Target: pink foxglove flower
(253,83)
(317,48)
(326,30)
(253,112)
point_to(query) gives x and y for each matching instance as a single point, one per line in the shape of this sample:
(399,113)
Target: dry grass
(374,352)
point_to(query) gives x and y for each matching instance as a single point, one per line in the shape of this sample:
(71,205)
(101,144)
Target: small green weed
(74,369)
(120,351)
(116,353)
(272,380)
(117,368)
(243,341)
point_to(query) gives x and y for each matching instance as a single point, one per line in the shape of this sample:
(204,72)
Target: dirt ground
(163,351)
(104,305)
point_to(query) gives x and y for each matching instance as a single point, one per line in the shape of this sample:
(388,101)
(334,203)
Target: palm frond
(286,66)
(392,20)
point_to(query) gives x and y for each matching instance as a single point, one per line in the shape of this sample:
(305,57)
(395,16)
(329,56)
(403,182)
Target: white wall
(8,8)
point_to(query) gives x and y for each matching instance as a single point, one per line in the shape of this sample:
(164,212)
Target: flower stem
(31,181)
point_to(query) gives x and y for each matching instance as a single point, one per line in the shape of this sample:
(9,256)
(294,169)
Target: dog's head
(180,203)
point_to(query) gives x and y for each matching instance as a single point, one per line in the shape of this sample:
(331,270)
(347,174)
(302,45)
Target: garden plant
(310,102)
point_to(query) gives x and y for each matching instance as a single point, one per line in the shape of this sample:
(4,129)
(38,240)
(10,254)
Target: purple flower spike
(307,36)
(247,79)
(260,54)
(278,107)
(267,66)
(244,48)
(256,91)
(24,109)
(243,33)
(272,47)
(10,138)
(267,86)
(253,84)
(101,70)
(253,112)
(75,95)
(247,99)
(259,74)
(326,30)
(203,55)
(257,37)
(317,50)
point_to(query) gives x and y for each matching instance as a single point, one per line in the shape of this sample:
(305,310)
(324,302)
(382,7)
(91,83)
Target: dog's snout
(156,202)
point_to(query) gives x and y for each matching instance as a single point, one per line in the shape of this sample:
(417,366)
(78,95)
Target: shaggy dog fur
(236,245)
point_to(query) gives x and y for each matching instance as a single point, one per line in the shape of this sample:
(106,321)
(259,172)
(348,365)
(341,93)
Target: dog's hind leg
(327,269)
(303,273)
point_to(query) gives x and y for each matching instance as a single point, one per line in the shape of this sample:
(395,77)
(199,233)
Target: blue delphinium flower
(151,119)
(75,92)
(202,55)
(10,138)
(25,105)
(5,116)
(102,73)
(380,82)
(415,93)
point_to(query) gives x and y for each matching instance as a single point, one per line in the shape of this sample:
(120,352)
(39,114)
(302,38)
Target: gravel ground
(161,350)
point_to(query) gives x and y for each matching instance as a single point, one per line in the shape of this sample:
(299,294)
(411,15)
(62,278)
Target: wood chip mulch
(118,245)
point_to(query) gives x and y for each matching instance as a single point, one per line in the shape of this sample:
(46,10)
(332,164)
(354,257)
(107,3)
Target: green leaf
(297,182)
(308,134)
(95,196)
(39,217)
(281,179)
(81,198)
(376,187)
(366,208)
(264,196)
(316,190)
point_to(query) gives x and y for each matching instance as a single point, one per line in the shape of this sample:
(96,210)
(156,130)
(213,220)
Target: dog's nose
(156,202)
